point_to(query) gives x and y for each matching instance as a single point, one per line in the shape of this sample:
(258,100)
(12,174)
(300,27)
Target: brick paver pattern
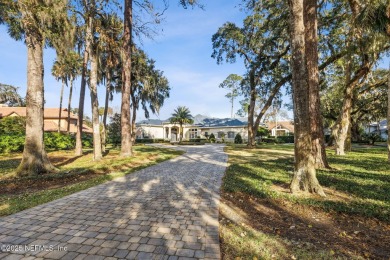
(167,211)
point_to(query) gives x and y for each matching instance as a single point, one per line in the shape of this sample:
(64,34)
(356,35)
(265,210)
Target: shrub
(87,140)
(60,141)
(372,137)
(238,139)
(286,138)
(13,125)
(149,140)
(212,138)
(11,143)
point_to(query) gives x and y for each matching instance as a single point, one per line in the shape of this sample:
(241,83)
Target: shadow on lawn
(317,238)
(256,178)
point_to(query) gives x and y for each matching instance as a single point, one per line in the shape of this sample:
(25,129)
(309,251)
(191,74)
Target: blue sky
(183,51)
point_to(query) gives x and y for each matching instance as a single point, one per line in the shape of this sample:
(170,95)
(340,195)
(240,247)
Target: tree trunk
(97,144)
(388,115)
(342,125)
(34,160)
(251,112)
(134,106)
(88,40)
(304,172)
(60,111)
(181,132)
(126,144)
(104,129)
(317,135)
(70,102)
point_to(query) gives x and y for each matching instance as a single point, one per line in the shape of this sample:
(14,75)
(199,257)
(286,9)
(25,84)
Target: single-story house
(51,116)
(281,128)
(202,127)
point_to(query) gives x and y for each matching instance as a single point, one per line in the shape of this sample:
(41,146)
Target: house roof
(150,122)
(48,112)
(51,126)
(289,125)
(221,122)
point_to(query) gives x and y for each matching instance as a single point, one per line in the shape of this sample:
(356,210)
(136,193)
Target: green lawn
(358,188)
(75,174)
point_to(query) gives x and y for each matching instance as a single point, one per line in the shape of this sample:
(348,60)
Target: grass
(358,187)
(75,174)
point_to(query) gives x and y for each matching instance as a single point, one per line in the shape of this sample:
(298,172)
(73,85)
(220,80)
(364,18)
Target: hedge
(53,141)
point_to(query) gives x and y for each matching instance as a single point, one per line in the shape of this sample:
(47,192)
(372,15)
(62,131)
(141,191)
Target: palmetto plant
(181,115)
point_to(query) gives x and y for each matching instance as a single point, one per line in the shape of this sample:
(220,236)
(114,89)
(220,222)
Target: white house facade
(226,129)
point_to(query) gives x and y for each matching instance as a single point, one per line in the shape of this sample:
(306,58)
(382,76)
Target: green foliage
(286,139)
(59,141)
(149,140)
(9,95)
(182,115)
(363,175)
(262,131)
(11,143)
(212,138)
(371,138)
(238,139)
(13,125)
(114,130)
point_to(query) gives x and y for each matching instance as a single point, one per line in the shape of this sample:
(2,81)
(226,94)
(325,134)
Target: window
(206,134)
(193,133)
(231,134)
(221,134)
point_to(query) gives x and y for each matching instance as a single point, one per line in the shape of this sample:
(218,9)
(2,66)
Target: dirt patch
(22,185)
(305,227)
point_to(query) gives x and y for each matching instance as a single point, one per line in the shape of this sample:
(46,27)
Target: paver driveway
(167,211)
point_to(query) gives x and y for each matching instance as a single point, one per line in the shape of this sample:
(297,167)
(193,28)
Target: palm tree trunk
(97,143)
(70,102)
(304,171)
(34,160)
(104,131)
(126,144)
(60,112)
(318,139)
(88,41)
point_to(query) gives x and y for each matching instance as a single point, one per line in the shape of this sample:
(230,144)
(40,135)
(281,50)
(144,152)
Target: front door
(174,134)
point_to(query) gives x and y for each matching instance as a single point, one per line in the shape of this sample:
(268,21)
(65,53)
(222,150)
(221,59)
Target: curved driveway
(167,211)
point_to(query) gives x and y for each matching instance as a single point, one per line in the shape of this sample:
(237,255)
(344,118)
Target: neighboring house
(51,116)
(226,128)
(281,128)
(378,128)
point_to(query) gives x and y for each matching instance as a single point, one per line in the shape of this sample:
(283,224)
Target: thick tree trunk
(104,128)
(60,111)
(34,160)
(70,103)
(318,139)
(126,144)
(79,144)
(97,144)
(251,112)
(304,172)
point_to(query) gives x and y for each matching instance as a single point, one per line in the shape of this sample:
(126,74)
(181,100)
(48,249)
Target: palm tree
(58,71)
(181,116)
(35,22)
